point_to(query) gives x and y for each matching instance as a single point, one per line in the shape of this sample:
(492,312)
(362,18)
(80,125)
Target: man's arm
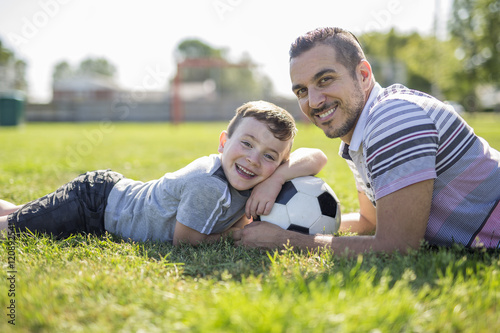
(401,223)
(302,162)
(362,223)
(184,234)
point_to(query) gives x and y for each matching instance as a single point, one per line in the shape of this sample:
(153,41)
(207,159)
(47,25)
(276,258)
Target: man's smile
(325,115)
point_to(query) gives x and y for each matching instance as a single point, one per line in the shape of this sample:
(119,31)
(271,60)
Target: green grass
(104,284)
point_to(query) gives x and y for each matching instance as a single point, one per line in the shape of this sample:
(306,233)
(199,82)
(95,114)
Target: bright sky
(139,37)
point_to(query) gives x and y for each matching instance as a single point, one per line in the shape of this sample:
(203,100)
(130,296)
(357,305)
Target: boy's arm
(184,234)
(302,162)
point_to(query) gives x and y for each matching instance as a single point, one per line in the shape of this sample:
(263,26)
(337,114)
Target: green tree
(62,70)
(100,66)
(5,55)
(87,67)
(20,82)
(475,24)
(11,63)
(236,79)
(195,48)
(420,62)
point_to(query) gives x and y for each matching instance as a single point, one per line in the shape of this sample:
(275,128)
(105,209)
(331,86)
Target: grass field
(105,284)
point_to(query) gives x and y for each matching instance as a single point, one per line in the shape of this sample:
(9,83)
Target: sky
(139,37)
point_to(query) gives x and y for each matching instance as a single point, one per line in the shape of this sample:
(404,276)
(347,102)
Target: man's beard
(352,113)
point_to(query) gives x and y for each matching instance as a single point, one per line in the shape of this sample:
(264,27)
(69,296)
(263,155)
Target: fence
(199,110)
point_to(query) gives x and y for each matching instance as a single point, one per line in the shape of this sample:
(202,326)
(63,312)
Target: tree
(5,54)
(421,62)
(237,79)
(62,70)
(87,67)
(14,70)
(475,24)
(195,48)
(20,82)
(99,66)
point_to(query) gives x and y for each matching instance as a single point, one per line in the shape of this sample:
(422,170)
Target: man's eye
(325,80)
(301,92)
(247,144)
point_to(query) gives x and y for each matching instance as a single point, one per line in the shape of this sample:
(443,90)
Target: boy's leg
(75,207)
(3,226)
(7,208)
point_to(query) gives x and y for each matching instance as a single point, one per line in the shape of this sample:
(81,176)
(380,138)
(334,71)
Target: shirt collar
(357,135)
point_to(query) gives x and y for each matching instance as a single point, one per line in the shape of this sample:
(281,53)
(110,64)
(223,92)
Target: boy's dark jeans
(76,207)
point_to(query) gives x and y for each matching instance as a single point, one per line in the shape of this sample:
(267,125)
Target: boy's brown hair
(279,121)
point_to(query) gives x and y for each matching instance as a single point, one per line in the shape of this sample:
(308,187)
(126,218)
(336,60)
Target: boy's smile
(251,154)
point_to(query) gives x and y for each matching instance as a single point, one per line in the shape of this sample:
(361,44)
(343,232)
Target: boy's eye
(246,143)
(269,157)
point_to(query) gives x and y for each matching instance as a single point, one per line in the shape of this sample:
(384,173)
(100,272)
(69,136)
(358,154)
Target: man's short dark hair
(346,45)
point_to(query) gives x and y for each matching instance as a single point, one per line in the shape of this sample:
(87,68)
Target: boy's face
(252,153)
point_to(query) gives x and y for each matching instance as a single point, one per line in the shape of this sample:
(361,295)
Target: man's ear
(222,141)
(365,69)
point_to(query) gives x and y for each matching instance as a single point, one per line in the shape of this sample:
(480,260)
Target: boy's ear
(222,141)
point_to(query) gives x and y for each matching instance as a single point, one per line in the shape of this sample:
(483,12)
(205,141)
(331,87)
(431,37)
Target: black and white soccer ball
(307,205)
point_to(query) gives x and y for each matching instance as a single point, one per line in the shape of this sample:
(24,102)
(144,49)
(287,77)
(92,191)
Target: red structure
(176,107)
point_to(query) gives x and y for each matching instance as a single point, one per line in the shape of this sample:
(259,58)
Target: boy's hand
(263,196)
(302,162)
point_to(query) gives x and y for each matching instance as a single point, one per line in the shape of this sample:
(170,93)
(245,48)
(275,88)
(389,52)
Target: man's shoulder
(398,96)
(397,90)
(399,113)
(399,101)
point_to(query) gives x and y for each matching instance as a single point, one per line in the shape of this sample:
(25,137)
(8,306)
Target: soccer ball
(307,205)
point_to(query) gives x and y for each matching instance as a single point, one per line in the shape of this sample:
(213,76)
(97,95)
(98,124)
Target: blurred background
(197,60)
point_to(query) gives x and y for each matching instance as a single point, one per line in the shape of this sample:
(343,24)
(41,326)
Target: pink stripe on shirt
(460,188)
(489,235)
(406,138)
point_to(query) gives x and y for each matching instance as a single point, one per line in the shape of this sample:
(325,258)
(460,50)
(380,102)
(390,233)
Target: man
(420,170)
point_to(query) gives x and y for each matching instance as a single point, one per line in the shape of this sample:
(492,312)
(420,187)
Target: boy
(200,202)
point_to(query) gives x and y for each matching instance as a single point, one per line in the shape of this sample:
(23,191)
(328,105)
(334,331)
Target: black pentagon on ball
(287,192)
(298,228)
(328,204)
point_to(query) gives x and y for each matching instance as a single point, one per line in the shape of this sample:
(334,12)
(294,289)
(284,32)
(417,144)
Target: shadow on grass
(222,260)
(427,265)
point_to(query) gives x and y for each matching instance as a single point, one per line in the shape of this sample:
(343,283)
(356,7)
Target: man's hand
(401,221)
(263,235)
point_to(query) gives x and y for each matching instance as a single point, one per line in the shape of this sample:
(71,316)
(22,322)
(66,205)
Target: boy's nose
(253,158)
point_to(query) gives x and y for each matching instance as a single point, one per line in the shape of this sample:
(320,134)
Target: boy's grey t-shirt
(198,196)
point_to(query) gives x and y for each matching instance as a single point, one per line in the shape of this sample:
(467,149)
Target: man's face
(327,92)
(251,154)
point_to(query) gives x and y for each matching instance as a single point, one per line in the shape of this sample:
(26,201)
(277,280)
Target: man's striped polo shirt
(405,136)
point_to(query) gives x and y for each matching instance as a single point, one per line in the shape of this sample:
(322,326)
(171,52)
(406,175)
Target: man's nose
(316,98)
